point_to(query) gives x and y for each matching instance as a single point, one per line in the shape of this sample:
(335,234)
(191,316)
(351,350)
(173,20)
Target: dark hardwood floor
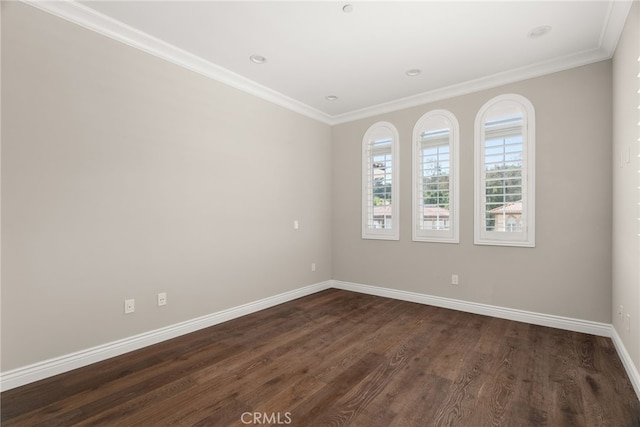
(339,358)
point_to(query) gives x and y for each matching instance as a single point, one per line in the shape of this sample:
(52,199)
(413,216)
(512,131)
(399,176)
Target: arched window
(380,194)
(505,172)
(435,178)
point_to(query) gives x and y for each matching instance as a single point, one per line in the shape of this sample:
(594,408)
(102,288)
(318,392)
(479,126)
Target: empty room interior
(320,213)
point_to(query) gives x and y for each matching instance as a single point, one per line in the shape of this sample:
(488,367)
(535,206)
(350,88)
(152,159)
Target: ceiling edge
(116,30)
(109,27)
(483,83)
(614,24)
(611,31)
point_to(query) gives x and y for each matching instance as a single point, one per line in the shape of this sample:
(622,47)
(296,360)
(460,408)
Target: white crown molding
(611,32)
(90,19)
(483,83)
(614,24)
(48,368)
(549,320)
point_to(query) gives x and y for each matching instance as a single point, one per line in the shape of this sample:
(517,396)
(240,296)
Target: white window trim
(526,238)
(440,236)
(376,131)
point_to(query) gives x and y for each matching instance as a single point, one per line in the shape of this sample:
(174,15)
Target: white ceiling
(315,49)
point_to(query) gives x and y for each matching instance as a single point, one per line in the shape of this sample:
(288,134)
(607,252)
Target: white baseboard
(567,323)
(629,366)
(48,368)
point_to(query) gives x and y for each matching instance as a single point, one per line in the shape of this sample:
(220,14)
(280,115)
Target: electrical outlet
(296,224)
(162,299)
(129,306)
(313,266)
(454,279)
(627,322)
(620,311)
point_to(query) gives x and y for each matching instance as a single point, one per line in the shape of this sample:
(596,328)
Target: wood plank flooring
(339,358)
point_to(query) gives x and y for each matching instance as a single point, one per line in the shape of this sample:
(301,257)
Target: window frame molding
(376,131)
(437,236)
(526,238)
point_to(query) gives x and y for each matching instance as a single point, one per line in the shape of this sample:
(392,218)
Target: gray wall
(568,273)
(626,244)
(124,175)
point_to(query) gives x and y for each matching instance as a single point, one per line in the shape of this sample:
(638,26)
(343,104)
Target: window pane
(503,165)
(381,213)
(379,182)
(505,172)
(435,176)
(434,192)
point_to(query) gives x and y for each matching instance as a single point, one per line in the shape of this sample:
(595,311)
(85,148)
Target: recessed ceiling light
(331,97)
(347,8)
(539,32)
(257,59)
(413,72)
